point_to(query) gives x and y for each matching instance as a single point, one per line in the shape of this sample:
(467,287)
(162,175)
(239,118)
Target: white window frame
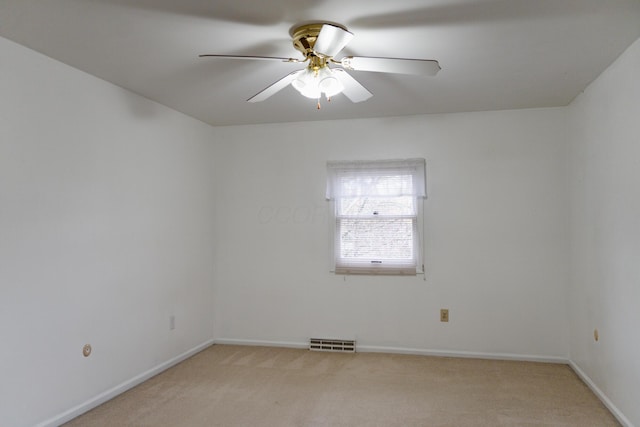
(336,171)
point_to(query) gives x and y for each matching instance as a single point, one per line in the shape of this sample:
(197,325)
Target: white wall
(106,229)
(109,224)
(605,242)
(496,235)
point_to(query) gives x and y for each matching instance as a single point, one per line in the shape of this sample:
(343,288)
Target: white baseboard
(603,397)
(403,350)
(121,388)
(462,354)
(260,343)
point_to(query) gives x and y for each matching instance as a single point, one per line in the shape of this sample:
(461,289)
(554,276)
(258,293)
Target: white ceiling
(494,54)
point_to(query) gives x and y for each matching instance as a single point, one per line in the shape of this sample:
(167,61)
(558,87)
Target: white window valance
(376,178)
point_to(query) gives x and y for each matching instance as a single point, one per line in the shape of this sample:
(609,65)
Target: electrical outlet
(172,322)
(444,314)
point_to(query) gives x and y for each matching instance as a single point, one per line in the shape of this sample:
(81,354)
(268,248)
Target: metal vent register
(326,344)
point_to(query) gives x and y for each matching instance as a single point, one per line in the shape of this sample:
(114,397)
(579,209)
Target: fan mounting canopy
(305,36)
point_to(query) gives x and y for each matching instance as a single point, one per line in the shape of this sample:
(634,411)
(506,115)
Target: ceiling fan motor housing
(305,36)
(307,39)
(304,40)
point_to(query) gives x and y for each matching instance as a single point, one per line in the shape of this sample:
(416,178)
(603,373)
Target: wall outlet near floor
(172,322)
(444,314)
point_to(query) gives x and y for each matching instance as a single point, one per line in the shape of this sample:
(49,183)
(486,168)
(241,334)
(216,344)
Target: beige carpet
(262,386)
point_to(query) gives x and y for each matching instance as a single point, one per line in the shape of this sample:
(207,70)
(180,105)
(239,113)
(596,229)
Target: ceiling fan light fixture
(313,83)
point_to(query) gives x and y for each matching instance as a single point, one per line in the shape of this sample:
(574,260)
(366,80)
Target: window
(376,207)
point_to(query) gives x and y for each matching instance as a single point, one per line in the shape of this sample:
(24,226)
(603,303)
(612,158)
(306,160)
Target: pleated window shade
(376,215)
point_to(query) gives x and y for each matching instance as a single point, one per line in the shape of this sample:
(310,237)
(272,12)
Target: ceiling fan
(319,43)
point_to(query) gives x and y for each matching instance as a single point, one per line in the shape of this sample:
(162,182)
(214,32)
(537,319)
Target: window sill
(408,271)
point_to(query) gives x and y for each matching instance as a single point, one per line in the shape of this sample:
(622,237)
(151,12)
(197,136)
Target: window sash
(352,256)
(376,206)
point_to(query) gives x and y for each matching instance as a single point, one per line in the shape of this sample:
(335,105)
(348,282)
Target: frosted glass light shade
(312,84)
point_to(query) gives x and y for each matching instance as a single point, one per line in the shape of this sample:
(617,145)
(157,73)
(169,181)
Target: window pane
(376,239)
(383,206)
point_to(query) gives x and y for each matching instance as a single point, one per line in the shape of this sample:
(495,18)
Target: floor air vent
(325,344)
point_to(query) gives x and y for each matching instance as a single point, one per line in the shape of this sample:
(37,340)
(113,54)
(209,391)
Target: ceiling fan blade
(352,89)
(262,58)
(331,40)
(420,67)
(274,88)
